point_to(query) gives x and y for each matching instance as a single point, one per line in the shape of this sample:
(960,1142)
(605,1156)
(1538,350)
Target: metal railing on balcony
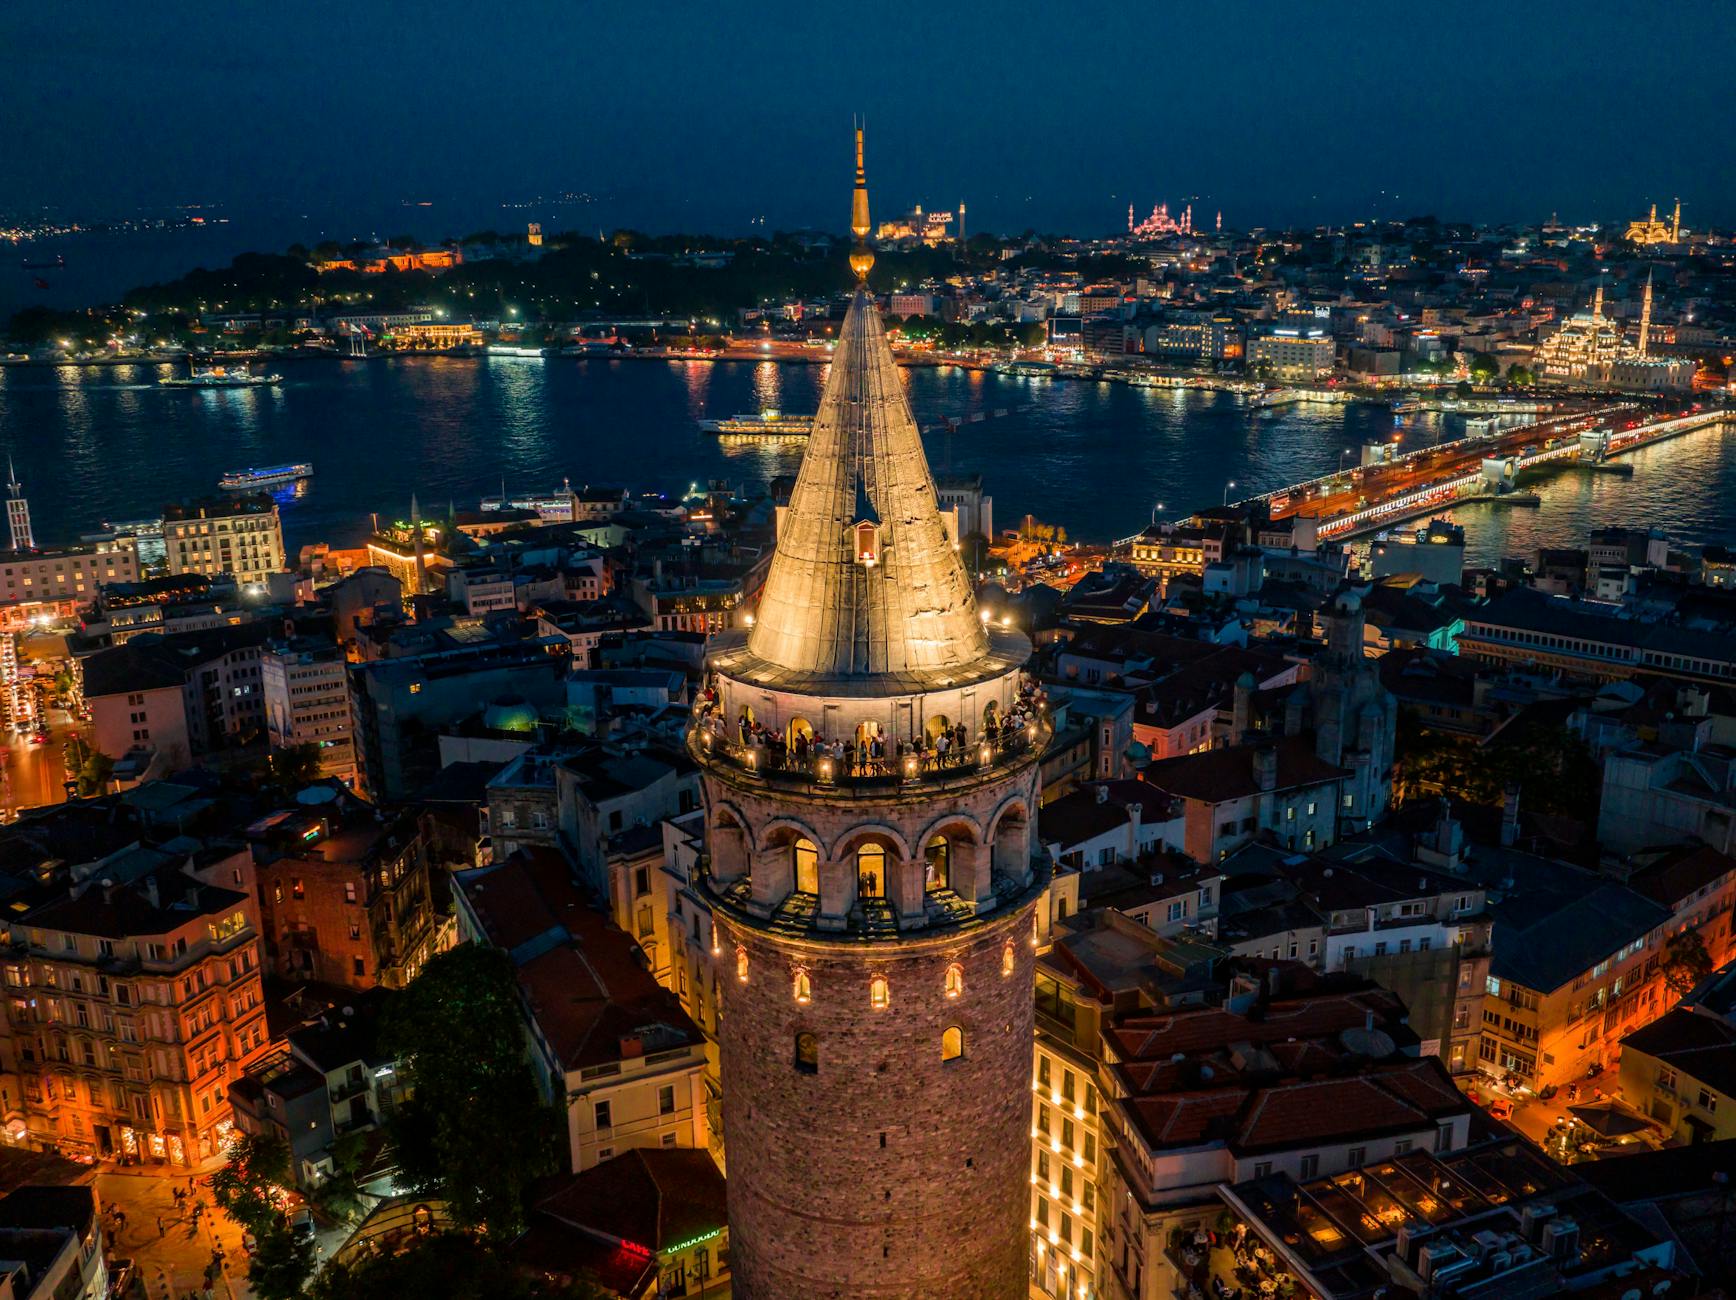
(846,769)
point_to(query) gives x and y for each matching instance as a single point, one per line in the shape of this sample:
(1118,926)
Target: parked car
(301,1224)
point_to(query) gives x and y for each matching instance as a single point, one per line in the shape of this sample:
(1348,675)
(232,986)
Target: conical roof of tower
(824,611)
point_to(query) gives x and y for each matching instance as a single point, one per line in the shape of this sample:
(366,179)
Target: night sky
(708,116)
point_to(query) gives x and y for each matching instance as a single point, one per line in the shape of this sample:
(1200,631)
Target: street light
(1154,510)
(1341,456)
(1227,487)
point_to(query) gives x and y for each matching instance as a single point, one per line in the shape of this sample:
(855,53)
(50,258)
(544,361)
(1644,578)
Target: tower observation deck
(870,760)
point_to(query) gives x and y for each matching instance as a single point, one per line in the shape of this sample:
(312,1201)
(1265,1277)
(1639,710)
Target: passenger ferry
(768,423)
(266,478)
(220,377)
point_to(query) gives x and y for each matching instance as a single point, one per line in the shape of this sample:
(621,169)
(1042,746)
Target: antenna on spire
(12,477)
(861,256)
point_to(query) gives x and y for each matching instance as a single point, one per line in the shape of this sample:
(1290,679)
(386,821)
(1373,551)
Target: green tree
(1686,962)
(444,1264)
(94,774)
(1485,368)
(1521,377)
(292,768)
(247,1189)
(474,1129)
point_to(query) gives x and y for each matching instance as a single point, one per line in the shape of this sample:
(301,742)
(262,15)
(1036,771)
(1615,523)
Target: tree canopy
(474,1130)
(247,1188)
(444,1264)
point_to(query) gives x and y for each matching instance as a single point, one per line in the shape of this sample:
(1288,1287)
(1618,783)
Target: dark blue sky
(704,116)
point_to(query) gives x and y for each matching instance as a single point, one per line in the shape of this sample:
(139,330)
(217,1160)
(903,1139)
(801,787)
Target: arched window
(807,1053)
(954,983)
(1007,960)
(952,1044)
(741,964)
(804,989)
(937,873)
(879,993)
(937,724)
(871,871)
(807,866)
(799,729)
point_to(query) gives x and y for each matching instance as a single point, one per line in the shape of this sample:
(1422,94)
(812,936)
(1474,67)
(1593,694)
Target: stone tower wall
(885,1172)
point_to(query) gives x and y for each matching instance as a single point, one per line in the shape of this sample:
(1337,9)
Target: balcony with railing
(846,770)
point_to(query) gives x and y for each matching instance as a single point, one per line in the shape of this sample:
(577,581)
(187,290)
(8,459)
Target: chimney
(1266,768)
(1510,817)
(1242,715)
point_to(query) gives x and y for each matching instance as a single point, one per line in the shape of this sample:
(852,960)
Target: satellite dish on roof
(1376,1044)
(315,794)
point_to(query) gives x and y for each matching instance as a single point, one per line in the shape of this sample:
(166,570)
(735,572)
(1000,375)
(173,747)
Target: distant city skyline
(1036,117)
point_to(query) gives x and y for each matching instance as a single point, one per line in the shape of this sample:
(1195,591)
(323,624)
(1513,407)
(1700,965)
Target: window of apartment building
(1310,1166)
(1043,1075)
(1178,911)
(614,821)
(645,921)
(359,967)
(295,888)
(1042,1166)
(1707,1100)
(641,881)
(1666,1077)
(1043,1120)
(1444,1137)
(1400,1147)
(601,1113)
(666,1099)
(349,891)
(669,1138)
(1356,1157)
(1263,1169)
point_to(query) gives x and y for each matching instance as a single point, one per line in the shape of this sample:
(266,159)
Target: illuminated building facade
(869,758)
(1590,349)
(919,227)
(1293,353)
(1160,223)
(1652,231)
(241,536)
(130,1007)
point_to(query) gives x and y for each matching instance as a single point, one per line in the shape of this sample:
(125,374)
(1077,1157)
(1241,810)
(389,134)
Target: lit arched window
(1007,962)
(741,964)
(807,1053)
(804,990)
(954,980)
(871,871)
(952,1044)
(879,993)
(1036,928)
(938,863)
(806,861)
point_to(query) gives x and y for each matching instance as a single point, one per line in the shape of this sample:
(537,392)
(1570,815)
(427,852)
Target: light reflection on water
(106,443)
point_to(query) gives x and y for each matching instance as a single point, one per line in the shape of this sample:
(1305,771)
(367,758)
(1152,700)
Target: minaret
(1130,218)
(416,534)
(1597,299)
(1646,316)
(18,511)
(1220,225)
(961,221)
(872,906)
(1676,224)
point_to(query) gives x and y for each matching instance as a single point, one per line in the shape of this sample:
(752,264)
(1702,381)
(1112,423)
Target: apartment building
(238,535)
(68,573)
(346,895)
(610,1045)
(133,1000)
(306,692)
(1313,1082)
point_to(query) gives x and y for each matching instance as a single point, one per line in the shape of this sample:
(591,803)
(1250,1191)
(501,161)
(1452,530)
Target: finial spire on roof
(861,257)
(866,580)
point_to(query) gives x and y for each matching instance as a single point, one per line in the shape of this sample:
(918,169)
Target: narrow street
(32,775)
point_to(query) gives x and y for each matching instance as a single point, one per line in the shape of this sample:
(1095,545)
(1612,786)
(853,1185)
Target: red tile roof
(1220,775)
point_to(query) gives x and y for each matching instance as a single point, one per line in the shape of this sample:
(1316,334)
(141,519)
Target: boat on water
(265,477)
(220,377)
(768,423)
(48,264)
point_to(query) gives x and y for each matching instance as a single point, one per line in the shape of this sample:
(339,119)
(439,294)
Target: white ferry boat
(220,377)
(767,424)
(265,478)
